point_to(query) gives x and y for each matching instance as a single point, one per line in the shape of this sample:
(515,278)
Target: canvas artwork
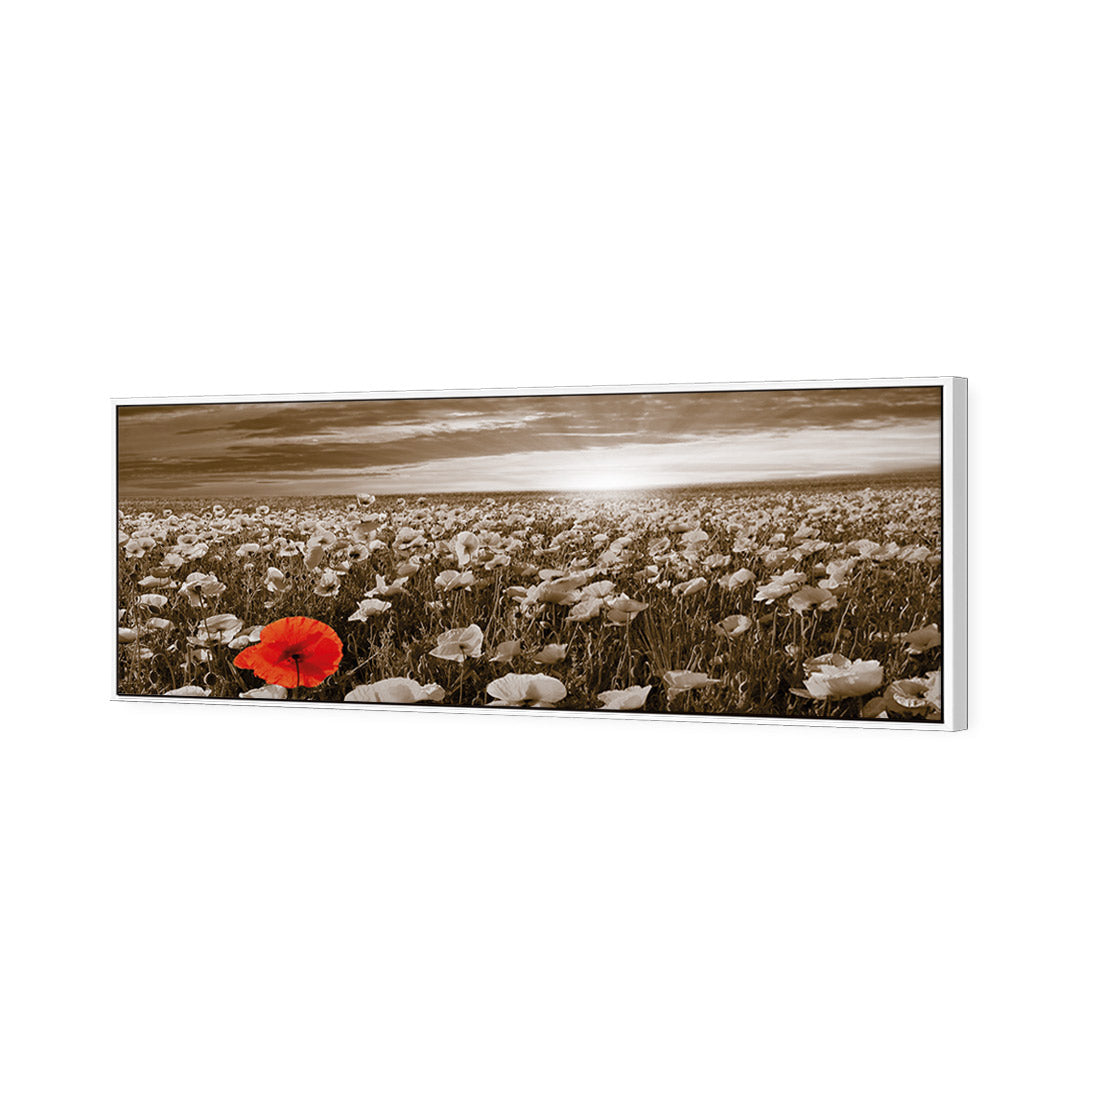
(785,552)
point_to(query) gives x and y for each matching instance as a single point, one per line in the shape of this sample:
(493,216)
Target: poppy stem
(839,624)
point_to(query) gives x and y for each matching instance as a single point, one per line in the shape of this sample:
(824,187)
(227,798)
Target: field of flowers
(816,602)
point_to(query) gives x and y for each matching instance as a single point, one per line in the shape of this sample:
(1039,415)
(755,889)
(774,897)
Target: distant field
(907,479)
(797,599)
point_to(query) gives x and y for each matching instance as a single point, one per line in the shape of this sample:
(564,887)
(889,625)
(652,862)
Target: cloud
(418,445)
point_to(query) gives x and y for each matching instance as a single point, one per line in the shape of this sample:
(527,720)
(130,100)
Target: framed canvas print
(774,552)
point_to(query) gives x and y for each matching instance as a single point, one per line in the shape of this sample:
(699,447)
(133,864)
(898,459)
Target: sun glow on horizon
(602,479)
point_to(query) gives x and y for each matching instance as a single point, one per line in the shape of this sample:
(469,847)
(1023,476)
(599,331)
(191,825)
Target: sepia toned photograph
(766,553)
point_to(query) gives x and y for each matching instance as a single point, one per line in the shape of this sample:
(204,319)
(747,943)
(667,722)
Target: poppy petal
(294,652)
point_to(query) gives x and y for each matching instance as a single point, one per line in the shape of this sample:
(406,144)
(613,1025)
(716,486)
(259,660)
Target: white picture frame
(953,468)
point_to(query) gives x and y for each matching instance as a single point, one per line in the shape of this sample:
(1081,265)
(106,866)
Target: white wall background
(236,197)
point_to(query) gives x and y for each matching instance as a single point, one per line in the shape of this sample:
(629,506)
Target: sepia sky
(580,442)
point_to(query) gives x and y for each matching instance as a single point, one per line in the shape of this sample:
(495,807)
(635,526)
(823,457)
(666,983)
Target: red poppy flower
(294,652)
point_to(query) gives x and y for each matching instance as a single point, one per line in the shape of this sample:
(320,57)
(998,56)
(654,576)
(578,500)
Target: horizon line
(909,472)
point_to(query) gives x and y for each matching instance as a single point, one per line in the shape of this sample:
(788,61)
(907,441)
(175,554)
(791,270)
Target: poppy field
(814,602)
